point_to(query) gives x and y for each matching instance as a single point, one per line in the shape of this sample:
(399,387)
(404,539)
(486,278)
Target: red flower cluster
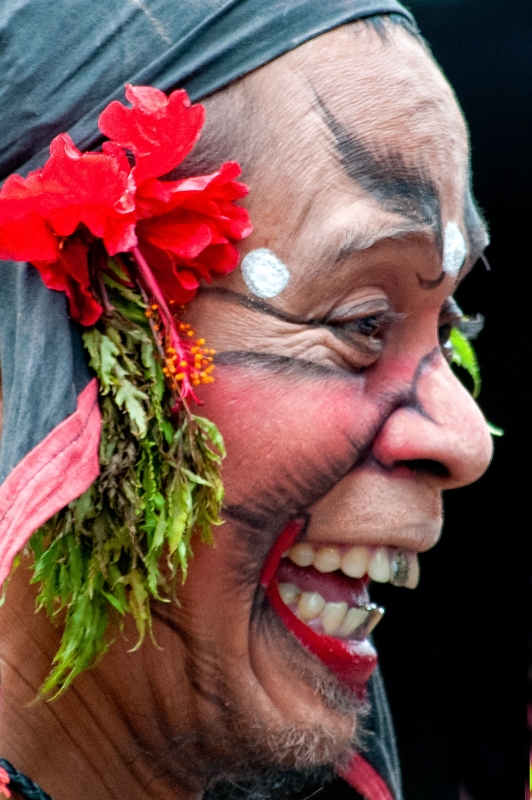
(185,229)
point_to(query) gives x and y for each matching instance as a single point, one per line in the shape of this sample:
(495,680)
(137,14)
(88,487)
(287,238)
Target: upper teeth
(382,564)
(335,618)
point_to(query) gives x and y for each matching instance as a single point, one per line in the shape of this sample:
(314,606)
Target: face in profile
(342,419)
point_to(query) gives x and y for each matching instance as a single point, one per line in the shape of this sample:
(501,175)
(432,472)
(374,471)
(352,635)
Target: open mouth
(321,594)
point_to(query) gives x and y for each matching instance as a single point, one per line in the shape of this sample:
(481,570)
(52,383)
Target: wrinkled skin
(363,436)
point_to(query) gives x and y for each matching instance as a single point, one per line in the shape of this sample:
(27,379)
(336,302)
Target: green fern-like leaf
(100,558)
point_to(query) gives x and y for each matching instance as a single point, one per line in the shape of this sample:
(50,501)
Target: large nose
(441,431)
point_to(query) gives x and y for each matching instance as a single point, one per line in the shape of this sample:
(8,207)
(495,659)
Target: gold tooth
(375,616)
(399,569)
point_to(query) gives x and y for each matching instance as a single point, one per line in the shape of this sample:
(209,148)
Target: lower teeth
(336,619)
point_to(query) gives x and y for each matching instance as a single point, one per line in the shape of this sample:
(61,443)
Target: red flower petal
(24,234)
(93,189)
(187,279)
(220,259)
(186,228)
(183,236)
(160,131)
(26,239)
(70,274)
(164,270)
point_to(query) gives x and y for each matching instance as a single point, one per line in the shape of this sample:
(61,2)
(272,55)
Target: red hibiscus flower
(90,189)
(46,217)
(160,131)
(186,228)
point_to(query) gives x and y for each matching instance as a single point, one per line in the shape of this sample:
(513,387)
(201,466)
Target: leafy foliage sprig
(100,557)
(128,245)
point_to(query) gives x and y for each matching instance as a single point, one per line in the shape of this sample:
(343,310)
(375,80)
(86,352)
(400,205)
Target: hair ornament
(129,247)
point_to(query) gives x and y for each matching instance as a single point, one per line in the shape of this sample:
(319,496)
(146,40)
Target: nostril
(425,466)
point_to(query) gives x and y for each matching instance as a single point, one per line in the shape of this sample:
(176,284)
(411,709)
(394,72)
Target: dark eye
(366,334)
(367,326)
(444,331)
(450,317)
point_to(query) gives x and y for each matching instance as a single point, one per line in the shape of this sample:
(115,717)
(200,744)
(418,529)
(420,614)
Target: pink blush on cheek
(273,421)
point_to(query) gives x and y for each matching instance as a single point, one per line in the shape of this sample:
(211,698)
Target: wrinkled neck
(101,740)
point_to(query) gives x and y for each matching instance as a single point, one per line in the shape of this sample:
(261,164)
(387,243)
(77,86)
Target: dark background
(453,652)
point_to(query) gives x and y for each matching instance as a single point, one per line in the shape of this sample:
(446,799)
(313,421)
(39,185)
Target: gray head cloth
(61,63)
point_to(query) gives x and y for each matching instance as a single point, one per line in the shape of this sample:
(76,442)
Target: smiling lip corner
(320,592)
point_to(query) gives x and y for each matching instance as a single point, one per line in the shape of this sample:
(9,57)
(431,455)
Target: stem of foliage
(127,540)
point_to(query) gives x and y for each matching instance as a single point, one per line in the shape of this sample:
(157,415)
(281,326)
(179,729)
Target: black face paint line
(302,484)
(253,304)
(425,283)
(398,188)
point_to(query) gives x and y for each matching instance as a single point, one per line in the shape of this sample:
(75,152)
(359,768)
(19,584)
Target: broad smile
(321,594)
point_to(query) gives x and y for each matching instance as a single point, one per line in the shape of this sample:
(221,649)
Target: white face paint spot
(265,274)
(454,249)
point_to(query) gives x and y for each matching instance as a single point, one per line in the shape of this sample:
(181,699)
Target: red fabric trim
(366,780)
(54,473)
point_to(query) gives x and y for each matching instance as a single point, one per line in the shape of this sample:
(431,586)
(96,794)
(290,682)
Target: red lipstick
(352,661)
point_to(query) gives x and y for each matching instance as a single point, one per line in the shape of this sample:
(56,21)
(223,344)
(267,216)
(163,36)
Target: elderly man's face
(335,399)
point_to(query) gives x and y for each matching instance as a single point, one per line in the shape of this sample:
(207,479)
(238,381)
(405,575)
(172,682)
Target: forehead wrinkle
(351,239)
(397,188)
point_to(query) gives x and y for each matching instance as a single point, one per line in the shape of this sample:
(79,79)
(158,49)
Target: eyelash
(367,333)
(370,326)
(469,327)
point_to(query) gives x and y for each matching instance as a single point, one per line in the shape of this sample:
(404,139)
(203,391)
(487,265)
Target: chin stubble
(272,785)
(239,756)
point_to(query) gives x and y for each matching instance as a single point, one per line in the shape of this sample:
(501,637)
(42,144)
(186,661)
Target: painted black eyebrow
(397,188)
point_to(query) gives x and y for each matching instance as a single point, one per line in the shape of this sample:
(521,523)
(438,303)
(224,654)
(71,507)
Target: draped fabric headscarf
(61,63)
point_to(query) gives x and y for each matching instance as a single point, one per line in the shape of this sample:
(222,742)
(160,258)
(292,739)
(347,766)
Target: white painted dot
(454,249)
(264,274)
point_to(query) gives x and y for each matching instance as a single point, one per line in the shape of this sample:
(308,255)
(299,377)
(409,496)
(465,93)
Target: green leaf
(194,478)
(115,602)
(464,356)
(494,430)
(179,512)
(131,397)
(108,354)
(140,607)
(91,340)
(100,557)
(213,434)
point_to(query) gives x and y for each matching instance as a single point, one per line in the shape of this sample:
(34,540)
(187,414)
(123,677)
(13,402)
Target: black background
(453,652)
